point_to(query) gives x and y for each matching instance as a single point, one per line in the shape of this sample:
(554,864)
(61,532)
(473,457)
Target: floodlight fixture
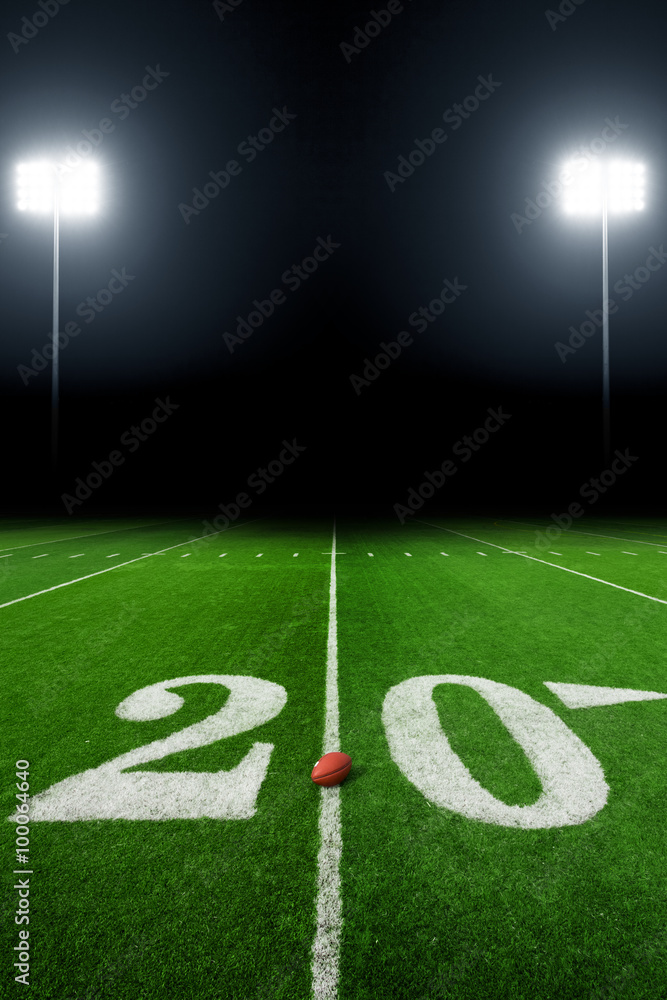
(41,184)
(589,184)
(601,187)
(49,188)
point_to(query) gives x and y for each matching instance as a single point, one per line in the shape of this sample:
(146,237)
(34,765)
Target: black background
(162,337)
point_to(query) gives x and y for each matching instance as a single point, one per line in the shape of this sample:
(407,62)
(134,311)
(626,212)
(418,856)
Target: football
(331,769)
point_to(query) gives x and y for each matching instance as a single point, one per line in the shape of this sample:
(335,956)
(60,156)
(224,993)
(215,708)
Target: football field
(501,691)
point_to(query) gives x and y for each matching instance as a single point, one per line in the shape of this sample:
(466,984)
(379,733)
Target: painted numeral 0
(573,784)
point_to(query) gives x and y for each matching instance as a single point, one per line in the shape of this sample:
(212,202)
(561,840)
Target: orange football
(331,769)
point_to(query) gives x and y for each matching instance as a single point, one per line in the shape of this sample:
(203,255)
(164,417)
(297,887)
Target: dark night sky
(555,88)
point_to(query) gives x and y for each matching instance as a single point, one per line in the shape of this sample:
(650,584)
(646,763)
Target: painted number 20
(573,784)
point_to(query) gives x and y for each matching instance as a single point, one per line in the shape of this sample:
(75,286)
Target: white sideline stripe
(597,579)
(638,524)
(326,946)
(593,534)
(110,569)
(92,534)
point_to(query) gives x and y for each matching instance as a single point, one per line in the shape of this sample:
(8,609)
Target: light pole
(46,188)
(596,187)
(55,327)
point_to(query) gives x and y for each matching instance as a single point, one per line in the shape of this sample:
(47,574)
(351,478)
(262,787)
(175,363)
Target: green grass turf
(176,907)
(439,905)
(434,904)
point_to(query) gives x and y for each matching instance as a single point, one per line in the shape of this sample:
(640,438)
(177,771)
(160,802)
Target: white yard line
(110,569)
(326,946)
(565,569)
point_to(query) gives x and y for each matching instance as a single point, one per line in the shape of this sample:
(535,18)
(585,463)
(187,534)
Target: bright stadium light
(47,188)
(599,188)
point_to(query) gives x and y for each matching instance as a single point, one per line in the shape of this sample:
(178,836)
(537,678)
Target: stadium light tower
(600,188)
(46,187)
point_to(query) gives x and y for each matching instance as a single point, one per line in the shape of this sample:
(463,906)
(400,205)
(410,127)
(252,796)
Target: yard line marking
(7,556)
(370,554)
(110,569)
(628,553)
(92,534)
(113,555)
(185,555)
(484,553)
(444,554)
(594,534)
(42,555)
(555,553)
(77,556)
(409,554)
(565,569)
(221,555)
(326,946)
(258,555)
(592,553)
(295,555)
